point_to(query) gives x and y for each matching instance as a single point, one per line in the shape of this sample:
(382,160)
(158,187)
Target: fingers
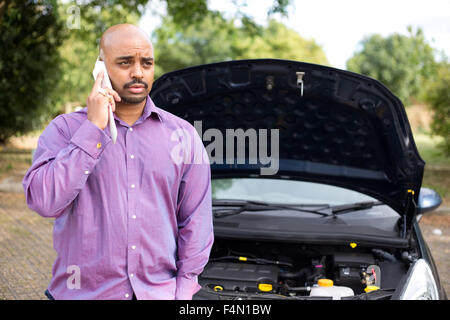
(112,103)
(113,93)
(105,96)
(98,82)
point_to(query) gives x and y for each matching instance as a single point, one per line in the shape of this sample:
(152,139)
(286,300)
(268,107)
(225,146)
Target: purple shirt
(131,216)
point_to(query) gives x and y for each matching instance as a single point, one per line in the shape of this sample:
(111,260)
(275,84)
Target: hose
(385,255)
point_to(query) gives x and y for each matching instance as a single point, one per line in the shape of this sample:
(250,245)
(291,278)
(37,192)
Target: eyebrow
(131,57)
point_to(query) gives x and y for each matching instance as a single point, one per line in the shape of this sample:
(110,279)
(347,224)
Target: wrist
(97,124)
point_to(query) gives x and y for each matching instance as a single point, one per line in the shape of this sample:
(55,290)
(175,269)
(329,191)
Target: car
(333,211)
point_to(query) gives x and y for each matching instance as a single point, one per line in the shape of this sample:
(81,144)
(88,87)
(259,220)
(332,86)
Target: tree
(29,64)
(176,48)
(218,39)
(279,42)
(402,63)
(438,97)
(45,64)
(80,50)
(188,12)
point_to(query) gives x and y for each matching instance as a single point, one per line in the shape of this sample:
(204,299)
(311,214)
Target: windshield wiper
(324,210)
(249,205)
(350,207)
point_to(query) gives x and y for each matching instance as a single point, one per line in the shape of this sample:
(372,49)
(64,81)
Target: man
(130,221)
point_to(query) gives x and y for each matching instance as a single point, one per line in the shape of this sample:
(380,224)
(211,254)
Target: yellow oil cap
(265,287)
(218,288)
(371,288)
(325,283)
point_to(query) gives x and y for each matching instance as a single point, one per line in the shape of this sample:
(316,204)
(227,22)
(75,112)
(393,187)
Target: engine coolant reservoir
(325,288)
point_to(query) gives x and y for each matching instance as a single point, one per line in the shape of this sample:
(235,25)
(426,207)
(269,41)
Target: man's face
(129,61)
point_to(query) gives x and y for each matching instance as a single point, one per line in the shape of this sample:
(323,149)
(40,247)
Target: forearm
(57,176)
(195,236)
(52,186)
(195,228)
(191,264)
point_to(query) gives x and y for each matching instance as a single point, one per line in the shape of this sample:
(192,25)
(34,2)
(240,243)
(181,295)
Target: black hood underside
(335,127)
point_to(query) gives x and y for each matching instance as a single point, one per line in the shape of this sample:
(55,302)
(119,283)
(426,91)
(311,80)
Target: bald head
(114,37)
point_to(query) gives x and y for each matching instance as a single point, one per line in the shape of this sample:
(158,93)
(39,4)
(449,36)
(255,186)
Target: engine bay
(264,270)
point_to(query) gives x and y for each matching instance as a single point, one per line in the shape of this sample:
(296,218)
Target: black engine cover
(238,276)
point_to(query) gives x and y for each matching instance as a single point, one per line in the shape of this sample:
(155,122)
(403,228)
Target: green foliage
(176,48)
(46,60)
(217,39)
(29,64)
(80,50)
(187,12)
(438,98)
(402,63)
(280,6)
(279,42)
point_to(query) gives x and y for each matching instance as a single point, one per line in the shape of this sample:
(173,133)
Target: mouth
(136,89)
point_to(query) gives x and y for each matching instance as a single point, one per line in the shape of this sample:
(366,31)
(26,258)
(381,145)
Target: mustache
(135,81)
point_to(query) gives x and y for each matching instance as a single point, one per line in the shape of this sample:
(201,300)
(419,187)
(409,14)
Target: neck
(129,112)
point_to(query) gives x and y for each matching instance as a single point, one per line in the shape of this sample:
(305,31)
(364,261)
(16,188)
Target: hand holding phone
(102,94)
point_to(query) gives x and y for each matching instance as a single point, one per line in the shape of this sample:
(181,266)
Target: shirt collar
(150,108)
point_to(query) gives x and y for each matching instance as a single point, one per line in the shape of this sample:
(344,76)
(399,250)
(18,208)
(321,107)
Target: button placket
(133,228)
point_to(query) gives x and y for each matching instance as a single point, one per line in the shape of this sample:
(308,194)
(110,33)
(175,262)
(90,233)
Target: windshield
(284,191)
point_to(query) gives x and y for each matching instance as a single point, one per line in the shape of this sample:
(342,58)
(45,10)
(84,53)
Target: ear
(101,56)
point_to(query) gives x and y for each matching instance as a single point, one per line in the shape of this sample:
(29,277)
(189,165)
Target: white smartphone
(106,83)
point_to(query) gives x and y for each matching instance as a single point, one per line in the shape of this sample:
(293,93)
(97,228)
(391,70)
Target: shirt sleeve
(195,228)
(61,165)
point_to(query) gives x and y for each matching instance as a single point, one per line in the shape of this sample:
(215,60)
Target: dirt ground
(435,227)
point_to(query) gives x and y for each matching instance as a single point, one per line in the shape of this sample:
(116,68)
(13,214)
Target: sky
(339,26)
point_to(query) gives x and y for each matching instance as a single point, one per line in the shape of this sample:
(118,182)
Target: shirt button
(132,186)
(133,247)
(131,129)
(99,145)
(132,156)
(133,216)
(86,172)
(126,295)
(131,275)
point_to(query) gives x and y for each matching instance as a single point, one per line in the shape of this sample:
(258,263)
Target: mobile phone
(106,83)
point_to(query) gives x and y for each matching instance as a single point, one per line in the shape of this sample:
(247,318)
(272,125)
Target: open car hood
(335,127)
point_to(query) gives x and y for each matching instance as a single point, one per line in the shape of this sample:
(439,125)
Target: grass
(437,168)
(6,167)
(14,161)
(429,151)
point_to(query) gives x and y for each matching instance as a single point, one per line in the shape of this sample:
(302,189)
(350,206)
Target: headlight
(420,284)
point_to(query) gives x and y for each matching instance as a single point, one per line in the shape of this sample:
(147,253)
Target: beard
(133,100)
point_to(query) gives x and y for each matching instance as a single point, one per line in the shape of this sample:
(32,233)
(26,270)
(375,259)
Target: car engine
(261,270)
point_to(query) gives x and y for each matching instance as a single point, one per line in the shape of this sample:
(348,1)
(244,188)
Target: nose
(136,71)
